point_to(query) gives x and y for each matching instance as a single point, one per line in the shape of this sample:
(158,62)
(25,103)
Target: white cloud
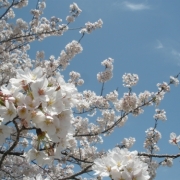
(159,45)
(169,50)
(176,55)
(135,7)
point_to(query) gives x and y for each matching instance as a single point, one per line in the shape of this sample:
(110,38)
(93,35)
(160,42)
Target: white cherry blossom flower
(160,114)
(8,112)
(39,89)
(103,166)
(9,90)
(22,112)
(39,156)
(119,164)
(47,125)
(70,19)
(54,105)
(127,103)
(174,80)
(62,127)
(104,76)
(31,104)
(174,139)
(108,63)
(167,162)
(27,75)
(164,86)
(144,98)
(37,116)
(130,79)
(112,96)
(38,177)
(19,98)
(128,142)
(59,147)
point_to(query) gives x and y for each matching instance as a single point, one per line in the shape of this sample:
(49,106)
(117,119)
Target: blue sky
(143,38)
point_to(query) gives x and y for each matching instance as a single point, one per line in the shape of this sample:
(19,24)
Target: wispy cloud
(159,45)
(169,49)
(135,6)
(176,54)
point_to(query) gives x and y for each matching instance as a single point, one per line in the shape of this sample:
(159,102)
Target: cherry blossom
(130,79)
(49,126)
(160,114)
(174,80)
(39,156)
(174,139)
(8,112)
(120,163)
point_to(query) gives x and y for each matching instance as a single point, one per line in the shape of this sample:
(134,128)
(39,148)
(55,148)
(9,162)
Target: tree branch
(160,155)
(85,170)
(13,145)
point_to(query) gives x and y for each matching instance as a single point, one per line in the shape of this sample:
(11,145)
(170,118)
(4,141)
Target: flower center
(41,92)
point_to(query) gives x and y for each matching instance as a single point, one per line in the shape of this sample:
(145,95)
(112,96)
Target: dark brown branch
(160,155)
(42,169)
(13,153)
(120,119)
(12,177)
(13,145)
(85,170)
(30,35)
(102,88)
(81,37)
(12,4)
(75,158)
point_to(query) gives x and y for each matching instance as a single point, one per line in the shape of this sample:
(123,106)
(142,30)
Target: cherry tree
(45,132)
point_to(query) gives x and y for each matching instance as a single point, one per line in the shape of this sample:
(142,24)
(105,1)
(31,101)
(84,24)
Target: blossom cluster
(89,27)
(130,79)
(152,138)
(15,39)
(121,164)
(75,12)
(31,98)
(160,114)
(44,129)
(107,74)
(75,78)
(128,142)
